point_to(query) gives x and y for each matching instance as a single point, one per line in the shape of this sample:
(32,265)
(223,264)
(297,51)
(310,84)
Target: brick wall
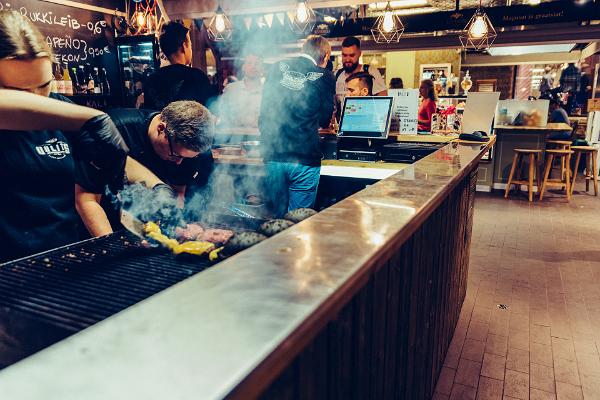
(505,76)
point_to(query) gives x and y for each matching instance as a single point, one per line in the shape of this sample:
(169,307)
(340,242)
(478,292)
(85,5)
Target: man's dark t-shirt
(133,125)
(176,82)
(37,207)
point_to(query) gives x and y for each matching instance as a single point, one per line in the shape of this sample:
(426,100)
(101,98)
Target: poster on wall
(404,112)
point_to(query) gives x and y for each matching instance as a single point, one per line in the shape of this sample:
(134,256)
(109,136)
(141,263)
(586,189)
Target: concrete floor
(541,260)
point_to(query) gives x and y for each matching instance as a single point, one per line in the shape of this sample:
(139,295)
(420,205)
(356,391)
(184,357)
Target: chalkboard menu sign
(76,36)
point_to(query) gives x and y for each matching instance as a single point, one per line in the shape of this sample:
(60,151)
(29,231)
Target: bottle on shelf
(97,84)
(90,80)
(67,81)
(82,78)
(104,85)
(127,79)
(75,79)
(58,78)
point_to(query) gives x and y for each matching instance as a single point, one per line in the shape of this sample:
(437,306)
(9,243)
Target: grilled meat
(215,235)
(190,232)
(299,214)
(274,226)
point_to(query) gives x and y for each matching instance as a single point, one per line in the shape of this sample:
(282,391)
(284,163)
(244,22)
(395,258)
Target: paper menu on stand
(479,111)
(404,110)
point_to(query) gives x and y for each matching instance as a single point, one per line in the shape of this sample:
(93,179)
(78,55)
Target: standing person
(172,144)
(177,81)
(240,104)
(547,82)
(46,143)
(297,100)
(570,81)
(428,106)
(351,64)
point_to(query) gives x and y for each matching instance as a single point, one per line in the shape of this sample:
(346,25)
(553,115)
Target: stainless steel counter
(235,327)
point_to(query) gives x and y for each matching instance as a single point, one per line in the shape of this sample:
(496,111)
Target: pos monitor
(366,117)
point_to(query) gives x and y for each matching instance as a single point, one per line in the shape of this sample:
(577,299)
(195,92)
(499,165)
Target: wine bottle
(67,81)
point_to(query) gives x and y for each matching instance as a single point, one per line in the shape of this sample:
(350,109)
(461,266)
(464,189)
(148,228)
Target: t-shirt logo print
(54,148)
(295,80)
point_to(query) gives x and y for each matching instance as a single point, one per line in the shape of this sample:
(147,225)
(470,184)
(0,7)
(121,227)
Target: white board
(404,110)
(479,111)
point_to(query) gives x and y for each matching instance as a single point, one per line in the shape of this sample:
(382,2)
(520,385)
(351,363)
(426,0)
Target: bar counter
(359,301)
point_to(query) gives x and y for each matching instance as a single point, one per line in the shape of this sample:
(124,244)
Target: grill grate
(76,286)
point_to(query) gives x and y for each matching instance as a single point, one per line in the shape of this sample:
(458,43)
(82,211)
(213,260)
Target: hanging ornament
(248,22)
(269,19)
(219,28)
(303,18)
(388,27)
(479,33)
(281,18)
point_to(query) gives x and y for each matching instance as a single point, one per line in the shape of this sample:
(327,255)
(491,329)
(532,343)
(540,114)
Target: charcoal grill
(49,296)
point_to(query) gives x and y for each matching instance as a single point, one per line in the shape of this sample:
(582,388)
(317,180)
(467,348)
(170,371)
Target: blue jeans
(291,186)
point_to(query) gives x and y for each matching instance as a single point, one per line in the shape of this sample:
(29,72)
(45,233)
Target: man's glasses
(172,153)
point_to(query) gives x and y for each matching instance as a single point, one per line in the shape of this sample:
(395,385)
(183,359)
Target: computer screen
(366,117)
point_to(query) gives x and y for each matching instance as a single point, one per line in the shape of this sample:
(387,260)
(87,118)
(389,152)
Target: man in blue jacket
(298,98)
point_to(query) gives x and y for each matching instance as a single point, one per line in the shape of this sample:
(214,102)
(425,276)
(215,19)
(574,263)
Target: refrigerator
(139,57)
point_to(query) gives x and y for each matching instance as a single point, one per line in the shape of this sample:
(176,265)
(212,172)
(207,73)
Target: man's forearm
(138,173)
(24,111)
(91,212)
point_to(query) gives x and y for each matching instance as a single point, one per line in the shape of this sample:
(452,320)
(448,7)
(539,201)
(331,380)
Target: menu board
(404,111)
(75,35)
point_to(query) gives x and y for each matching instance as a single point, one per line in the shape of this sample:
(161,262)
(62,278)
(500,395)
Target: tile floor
(542,260)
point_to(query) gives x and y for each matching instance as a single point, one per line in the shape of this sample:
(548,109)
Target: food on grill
(190,232)
(274,226)
(163,239)
(214,255)
(215,235)
(151,227)
(193,247)
(299,214)
(242,241)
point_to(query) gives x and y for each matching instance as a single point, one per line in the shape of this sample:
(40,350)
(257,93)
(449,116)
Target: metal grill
(77,286)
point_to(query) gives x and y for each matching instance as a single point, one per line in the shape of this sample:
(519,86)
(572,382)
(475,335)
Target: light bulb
(388,22)
(140,19)
(535,2)
(302,12)
(478,28)
(219,23)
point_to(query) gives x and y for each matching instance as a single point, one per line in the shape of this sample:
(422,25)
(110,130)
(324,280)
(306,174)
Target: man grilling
(297,99)
(173,144)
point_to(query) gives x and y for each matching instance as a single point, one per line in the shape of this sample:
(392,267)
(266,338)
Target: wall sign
(405,110)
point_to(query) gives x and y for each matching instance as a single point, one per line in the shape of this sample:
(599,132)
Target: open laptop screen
(366,117)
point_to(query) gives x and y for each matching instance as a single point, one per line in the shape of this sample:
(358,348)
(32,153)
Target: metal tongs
(236,211)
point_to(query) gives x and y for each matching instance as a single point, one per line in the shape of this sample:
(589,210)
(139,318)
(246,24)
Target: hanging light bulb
(219,28)
(302,12)
(388,27)
(388,22)
(478,28)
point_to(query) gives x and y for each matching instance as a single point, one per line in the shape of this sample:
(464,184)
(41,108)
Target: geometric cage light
(479,32)
(388,27)
(219,28)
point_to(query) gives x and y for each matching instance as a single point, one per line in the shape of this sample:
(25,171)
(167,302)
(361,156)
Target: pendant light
(303,18)
(479,32)
(388,27)
(219,28)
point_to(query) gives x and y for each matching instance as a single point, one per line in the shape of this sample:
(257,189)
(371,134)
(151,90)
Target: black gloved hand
(100,144)
(166,211)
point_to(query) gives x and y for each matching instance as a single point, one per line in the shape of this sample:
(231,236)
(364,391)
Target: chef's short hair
(365,79)
(190,124)
(317,47)
(20,39)
(172,37)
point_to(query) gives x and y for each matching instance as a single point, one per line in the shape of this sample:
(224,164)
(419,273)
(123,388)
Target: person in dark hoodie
(298,98)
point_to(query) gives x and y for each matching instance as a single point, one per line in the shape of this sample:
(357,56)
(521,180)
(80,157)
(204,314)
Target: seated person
(173,144)
(557,115)
(359,84)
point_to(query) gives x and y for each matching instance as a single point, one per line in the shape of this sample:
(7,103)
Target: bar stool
(565,178)
(560,145)
(534,160)
(591,167)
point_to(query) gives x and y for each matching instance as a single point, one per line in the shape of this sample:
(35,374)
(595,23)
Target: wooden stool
(565,179)
(534,159)
(559,145)
(591,168)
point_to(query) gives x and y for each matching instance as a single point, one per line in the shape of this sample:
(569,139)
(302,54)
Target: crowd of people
(63,164)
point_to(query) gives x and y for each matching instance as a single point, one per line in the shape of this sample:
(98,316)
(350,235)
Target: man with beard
(350,60)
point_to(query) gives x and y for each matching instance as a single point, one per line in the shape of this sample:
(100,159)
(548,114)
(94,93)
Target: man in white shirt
(350,62)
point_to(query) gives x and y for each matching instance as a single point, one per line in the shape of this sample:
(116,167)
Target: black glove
(100,144)
(166,211)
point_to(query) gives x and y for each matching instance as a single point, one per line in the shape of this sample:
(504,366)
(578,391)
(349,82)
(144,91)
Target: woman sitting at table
(428,106)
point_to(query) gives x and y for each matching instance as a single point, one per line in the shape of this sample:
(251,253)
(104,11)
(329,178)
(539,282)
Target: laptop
(366,117)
